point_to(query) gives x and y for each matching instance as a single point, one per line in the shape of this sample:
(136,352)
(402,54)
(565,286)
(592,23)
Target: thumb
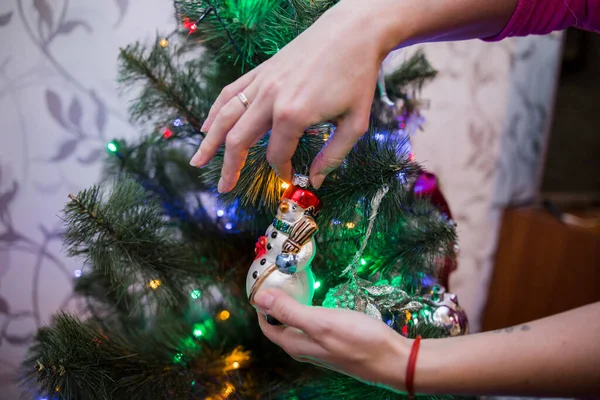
(347,133)
(285,309)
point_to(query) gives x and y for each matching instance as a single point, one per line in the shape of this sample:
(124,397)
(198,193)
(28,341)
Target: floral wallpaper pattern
(485,138)
(59,102)
(59,105)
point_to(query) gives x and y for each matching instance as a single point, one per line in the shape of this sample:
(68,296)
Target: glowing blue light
(220,213)
(178,122)
(228,226)
(379,136)
(77,273)
(336,221)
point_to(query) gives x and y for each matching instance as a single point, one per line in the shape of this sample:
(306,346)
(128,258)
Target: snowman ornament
(284,254)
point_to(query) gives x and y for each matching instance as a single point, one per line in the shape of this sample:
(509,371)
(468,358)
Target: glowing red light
(187,24)
(167,133)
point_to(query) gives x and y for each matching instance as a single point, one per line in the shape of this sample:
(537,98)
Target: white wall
(59,91)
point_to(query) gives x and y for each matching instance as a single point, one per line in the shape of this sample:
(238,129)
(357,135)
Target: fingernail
(264,300)
(221,186)
(317,180)
(204,126)
(195,161)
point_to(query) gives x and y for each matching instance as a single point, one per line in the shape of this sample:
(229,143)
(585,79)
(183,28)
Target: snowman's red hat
(304,198)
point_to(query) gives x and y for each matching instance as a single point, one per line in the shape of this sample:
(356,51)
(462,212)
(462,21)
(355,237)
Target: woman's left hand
(342,340)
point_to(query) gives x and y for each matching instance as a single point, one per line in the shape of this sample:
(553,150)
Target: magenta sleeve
(539,17)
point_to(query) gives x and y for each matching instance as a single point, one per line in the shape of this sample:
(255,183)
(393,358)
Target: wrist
(435,366)
(375,23)
(393,368)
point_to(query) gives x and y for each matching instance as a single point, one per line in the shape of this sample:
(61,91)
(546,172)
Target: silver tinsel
(383,299)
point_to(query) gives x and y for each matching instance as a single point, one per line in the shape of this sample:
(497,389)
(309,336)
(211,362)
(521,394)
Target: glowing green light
(193,383)
(317,284)
(198,330)
(177,358)
(196,293)
(112,147)
(363,261)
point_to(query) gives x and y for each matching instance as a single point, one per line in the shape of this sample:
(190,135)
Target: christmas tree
(166,261)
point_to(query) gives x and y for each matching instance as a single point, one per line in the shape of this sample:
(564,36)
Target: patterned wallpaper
(485,137)
(60,107)
(59,102)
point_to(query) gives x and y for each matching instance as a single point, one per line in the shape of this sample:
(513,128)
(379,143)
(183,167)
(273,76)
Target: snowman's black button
(269,247)
(263,261)
(274,235)
(255,274)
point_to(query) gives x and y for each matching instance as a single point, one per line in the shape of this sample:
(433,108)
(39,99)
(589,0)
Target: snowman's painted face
(289,211)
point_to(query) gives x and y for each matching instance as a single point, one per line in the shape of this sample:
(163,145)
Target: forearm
(555,356)
(407,22)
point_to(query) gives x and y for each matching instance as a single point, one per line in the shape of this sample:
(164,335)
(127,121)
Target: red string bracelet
(410,368)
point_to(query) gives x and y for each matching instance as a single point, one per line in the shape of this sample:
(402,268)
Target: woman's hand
(328,73)
(345,341)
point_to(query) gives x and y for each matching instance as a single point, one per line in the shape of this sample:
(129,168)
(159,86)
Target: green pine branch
(414,73)
(125,237)
(171,88)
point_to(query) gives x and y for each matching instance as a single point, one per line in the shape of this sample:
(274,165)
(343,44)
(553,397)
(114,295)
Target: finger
(287,131)
(347,133)
(226,119)
(228,93)
(254,124)
(293,341)
(291,313)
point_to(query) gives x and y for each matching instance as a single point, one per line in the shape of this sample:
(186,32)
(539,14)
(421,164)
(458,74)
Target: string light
(77,273)
(154,284)
(167,133)
(197,332)
(363,261)
(350,225)
(228,226)
(195,294)
(112,147)
(220,213)
(178,122)
(164,42)
(224,315)
(236,359)
(285,185)
(317,285)
(227,390)
(178,357)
